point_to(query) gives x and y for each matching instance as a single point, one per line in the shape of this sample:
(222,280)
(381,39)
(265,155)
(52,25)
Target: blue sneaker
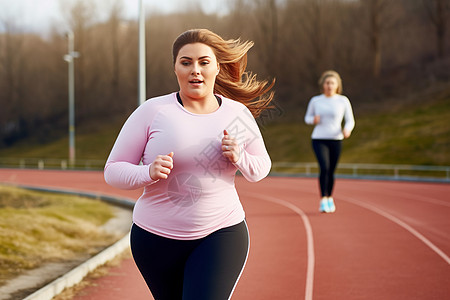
(331,206)
(324,205)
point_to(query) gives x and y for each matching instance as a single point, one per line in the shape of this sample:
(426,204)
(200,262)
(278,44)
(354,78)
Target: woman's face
(196,68)
(330,86)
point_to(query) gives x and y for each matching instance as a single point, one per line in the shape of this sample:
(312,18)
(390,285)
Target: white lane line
(402,224)
(245,262)
(409,196)
(426,199)
(309,239)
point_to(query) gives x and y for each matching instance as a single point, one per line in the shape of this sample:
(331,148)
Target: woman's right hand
(161,166)
(316,119)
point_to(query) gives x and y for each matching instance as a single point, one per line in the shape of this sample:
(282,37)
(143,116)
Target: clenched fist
(161,166)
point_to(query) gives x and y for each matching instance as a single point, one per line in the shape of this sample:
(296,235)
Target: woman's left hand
(346,133)
(230,147)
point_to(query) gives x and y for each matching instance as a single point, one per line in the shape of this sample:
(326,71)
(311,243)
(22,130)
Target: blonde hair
(331,73)
(233,81)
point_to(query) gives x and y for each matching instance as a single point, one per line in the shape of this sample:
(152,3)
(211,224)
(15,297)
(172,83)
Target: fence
(51,163)
(370,171)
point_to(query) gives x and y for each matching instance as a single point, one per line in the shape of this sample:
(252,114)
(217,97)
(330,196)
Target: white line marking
(309,239)
(245,262)
(430,200)
(402,224)
(409,195)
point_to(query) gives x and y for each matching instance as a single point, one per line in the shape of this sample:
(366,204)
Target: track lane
(309,283)
(362,255)
(359,254)
(424,207)
(278,257)
(400,223)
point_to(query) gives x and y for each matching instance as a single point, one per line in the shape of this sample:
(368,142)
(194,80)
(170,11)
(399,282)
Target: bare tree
(318,33)
(116,41)
(375,10)
(114,27)
(238,21)
(11,77)
(267,34)
(81,19)
(295,41)
(438,13)
(381,16)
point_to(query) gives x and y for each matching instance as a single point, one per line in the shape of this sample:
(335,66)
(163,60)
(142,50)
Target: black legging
(203,269)
(327,154)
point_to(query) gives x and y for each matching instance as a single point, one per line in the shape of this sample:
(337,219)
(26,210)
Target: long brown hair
(233,81)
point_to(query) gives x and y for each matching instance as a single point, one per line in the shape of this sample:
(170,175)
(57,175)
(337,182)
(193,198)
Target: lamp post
(69,58)
(141,62)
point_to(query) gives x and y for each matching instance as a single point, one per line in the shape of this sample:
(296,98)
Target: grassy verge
(414,133)
(418,135)
(39,227)
(94,144)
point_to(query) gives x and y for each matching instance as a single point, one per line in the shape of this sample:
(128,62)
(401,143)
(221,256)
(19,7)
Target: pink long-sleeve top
(199,196)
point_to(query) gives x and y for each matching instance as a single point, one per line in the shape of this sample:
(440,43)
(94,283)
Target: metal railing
(346,170)
(373,171)
(51,163)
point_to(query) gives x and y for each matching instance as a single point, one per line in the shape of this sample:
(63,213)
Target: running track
(387,240)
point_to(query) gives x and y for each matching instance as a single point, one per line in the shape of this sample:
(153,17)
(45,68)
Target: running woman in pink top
(189,238)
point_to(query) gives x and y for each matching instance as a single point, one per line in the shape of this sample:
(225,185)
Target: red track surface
(387,240)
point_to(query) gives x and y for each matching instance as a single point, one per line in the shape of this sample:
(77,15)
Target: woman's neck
(199,106)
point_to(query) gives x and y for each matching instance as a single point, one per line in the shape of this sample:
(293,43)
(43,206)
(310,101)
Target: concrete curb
(76,275)
(118,201)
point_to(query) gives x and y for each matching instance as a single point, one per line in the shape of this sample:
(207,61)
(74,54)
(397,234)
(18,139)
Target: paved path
(387,240)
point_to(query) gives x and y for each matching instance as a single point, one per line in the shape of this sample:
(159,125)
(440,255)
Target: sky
(38,15)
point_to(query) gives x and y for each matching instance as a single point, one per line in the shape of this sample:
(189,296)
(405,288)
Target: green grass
(414,133)
(94,144)
(418,134)
(38,227)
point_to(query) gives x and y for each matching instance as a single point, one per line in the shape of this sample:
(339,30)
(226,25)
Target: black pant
(203,269)
(327,154)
